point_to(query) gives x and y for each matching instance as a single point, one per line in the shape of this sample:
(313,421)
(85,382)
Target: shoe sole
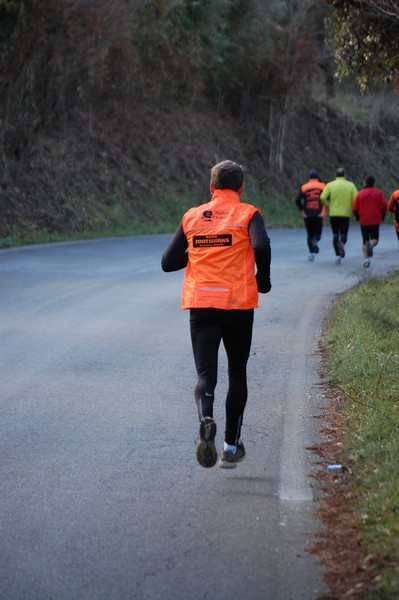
(224,464)
(206,450)
(230,465)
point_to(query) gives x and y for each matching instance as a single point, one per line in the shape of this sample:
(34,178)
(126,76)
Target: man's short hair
(227,175)
(340,172)
(369,181)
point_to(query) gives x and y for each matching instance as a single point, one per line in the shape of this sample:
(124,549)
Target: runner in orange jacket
(225,249)
(309,203)
(393,206)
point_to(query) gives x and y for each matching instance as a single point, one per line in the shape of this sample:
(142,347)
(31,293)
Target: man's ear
(241,189)
(212,188)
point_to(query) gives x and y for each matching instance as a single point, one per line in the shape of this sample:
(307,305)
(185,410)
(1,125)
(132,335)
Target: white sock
(229,448)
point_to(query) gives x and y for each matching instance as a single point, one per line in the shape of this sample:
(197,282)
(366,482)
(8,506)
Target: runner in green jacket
(338,197)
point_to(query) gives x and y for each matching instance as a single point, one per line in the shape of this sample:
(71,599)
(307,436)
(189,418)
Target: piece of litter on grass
(338,467)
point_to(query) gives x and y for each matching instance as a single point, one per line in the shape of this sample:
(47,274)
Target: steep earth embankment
(62,175)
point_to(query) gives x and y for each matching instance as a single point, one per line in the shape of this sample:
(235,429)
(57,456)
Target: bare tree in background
(389,8)
(298,51)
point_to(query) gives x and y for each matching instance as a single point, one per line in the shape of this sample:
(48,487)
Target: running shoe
(206,450)
(366,263)
(310,257)
(229,460)
(341,249)
(337,260)
(315,247)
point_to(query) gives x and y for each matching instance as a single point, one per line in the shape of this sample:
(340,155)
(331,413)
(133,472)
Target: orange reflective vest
(312,191)
(221,262)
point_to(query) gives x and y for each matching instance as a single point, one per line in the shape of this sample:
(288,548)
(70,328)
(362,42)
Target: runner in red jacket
(369,208)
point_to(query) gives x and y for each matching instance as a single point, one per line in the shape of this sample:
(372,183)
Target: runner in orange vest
(393,206)
(225,249)
(309,203)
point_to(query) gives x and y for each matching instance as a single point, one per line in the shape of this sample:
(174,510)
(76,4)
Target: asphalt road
(101,496)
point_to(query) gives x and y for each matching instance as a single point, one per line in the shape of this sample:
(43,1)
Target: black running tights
(339,228)
(314,228)
(208,327)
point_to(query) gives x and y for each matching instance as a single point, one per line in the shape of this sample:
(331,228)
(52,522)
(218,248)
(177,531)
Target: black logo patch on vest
(212,241)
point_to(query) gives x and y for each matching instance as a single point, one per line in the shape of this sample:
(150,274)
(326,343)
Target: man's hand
(264,284)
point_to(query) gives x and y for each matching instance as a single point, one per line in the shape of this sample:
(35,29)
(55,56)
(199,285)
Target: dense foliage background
(110,110)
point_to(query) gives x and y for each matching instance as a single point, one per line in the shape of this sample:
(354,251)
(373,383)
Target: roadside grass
(277,207)
(104,218)
(363,351)
(110,217)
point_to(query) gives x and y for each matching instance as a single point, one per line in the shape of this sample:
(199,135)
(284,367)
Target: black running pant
(340,228)
(208,327)
(314,227)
